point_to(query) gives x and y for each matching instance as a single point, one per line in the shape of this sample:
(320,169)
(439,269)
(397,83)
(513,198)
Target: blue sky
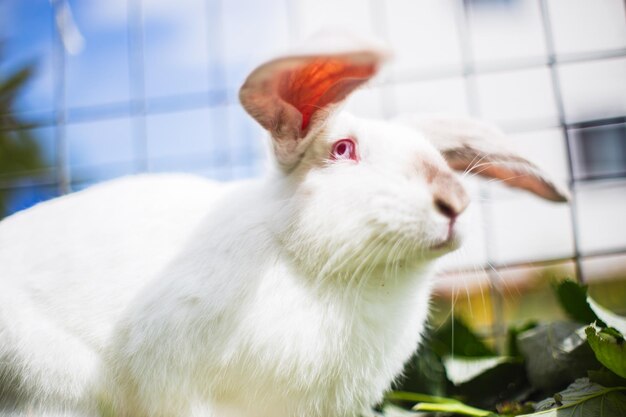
(28,35)
(195,54)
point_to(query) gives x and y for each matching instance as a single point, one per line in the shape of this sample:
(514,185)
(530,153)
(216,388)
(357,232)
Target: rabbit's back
(70,266)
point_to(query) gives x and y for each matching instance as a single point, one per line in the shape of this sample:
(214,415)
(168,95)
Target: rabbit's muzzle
(449,195)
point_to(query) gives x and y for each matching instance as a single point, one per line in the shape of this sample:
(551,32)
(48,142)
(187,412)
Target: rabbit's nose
(445,209)
(449,195)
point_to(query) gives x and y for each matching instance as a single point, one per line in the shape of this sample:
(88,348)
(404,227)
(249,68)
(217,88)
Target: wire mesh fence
(560,94)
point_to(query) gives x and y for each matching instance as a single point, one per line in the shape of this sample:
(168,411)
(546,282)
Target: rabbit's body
(255,329)
(61,297)
(256,336)
(251,331)
(299,294)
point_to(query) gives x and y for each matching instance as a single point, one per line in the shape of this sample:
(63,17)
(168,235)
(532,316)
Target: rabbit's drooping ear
(472,146)
(292,96)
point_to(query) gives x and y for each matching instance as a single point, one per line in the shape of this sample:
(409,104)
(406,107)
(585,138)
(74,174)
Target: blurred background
(96,89)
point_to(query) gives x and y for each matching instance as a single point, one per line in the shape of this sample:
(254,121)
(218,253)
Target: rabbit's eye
(344,149)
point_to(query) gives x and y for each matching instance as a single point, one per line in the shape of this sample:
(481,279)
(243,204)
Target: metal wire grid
(138,108)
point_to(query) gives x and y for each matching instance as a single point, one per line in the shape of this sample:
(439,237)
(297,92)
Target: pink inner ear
(321,82)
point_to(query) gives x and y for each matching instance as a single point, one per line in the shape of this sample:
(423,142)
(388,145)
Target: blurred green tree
(19,151)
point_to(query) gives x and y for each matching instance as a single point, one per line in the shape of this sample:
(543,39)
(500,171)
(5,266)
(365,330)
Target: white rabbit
(299,294)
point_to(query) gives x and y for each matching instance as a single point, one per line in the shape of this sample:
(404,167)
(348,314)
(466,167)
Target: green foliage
(556,354)
(611,319)
(513,335)
(581,369)
(609,348)
(424,372)
(454,337)
(573,299)
(19,152)
(584,398)
(434,403)
(486,382)
(606,378)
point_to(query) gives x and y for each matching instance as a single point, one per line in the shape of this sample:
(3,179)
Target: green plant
(567,368)
(19,152)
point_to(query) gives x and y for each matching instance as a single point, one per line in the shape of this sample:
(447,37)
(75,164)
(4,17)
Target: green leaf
(513,333)
(424,372)
(556,354)
(433,403)
(461,370)
(418,397)
(486,382)
(460,408)
(609,350)
(607,378)
(19,152)
(10,87)
(583,399)
(611,319)
(573,298)
(454,337)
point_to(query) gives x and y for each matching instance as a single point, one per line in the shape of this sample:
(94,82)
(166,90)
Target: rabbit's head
(359,194)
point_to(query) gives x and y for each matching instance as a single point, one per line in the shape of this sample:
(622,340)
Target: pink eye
(344,149)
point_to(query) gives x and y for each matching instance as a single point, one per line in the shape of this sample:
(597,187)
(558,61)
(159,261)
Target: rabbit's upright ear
(472,146)
(292,96)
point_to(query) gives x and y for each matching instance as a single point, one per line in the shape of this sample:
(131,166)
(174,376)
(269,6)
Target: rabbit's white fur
(188,292)
(299,294)
(70,266)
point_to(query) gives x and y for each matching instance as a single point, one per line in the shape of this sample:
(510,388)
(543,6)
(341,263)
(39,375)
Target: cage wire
(67,39)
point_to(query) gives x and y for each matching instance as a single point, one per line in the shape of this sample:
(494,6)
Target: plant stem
(453,408)
(432,403)
(420,398)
